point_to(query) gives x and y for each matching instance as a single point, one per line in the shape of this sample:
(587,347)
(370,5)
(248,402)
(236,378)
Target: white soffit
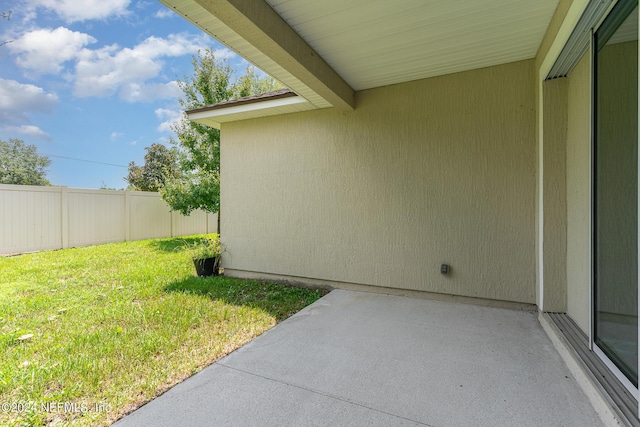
(372,43)
(204,20)
(233,113)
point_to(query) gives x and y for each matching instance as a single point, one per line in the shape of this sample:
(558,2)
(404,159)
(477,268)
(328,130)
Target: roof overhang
(256,32)
(325,51)
(269,104)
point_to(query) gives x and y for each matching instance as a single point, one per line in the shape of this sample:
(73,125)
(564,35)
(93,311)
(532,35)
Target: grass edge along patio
(107,328)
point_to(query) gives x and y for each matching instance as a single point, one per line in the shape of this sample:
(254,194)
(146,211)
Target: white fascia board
(216,117)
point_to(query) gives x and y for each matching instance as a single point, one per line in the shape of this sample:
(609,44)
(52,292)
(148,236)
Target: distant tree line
(21,164)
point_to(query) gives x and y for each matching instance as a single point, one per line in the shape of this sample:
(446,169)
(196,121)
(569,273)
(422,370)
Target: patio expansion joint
(322,393)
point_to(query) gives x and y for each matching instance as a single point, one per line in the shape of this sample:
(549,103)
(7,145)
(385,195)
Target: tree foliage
(160,164)
(6,15)
(252,84)
(21,164)
(198,186)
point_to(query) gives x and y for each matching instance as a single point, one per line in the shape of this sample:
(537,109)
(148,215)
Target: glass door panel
(615,213)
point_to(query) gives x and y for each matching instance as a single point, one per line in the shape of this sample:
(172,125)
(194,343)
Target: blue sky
(94,80)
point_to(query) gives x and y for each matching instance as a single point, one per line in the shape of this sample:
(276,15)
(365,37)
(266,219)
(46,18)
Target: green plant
(213,81)
(21,164)
(207,247)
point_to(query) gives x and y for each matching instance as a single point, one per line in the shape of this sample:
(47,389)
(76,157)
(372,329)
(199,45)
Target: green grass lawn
(116,325)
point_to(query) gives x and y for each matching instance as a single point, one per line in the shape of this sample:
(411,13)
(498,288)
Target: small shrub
(208,247)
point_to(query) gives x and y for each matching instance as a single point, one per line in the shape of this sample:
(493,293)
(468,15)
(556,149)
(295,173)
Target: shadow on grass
(175,244)
(280,301)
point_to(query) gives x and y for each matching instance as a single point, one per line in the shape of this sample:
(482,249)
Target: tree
(160,164)
(251,84)
(104,187)
(6,15)
(198,186)
(21,164)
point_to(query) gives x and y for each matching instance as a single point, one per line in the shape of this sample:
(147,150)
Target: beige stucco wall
(554,198)
(578,193)
(432,171)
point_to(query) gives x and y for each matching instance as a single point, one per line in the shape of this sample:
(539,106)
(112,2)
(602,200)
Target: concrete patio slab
(355,358)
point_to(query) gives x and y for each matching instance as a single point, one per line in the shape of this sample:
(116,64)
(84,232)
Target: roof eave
(256,32)
(215,115)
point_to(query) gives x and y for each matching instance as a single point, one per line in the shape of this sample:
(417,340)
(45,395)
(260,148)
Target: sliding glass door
(615,189)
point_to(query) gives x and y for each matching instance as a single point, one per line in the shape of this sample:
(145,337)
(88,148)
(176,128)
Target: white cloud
(74,10)
(27,130)
(111,70)
(168,118)
(224,53)
(135,74)
(116,135)
(165,13)
(45,50)
(18,99)
(143,4)
(174,45)
(133,92)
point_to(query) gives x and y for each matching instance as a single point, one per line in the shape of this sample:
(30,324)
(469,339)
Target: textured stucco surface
(421,173)
(554,195)
(578,193)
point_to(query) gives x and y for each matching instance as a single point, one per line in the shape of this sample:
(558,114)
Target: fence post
(127,215)
(64,217)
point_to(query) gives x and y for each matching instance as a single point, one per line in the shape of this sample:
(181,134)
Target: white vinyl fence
(36,218)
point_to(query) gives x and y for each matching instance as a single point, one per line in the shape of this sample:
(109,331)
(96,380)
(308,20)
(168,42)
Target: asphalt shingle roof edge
(268,96)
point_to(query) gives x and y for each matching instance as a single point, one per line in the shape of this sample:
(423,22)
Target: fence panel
(185,225)
(96,218)
(149,215)
(30,218)
(36,218)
